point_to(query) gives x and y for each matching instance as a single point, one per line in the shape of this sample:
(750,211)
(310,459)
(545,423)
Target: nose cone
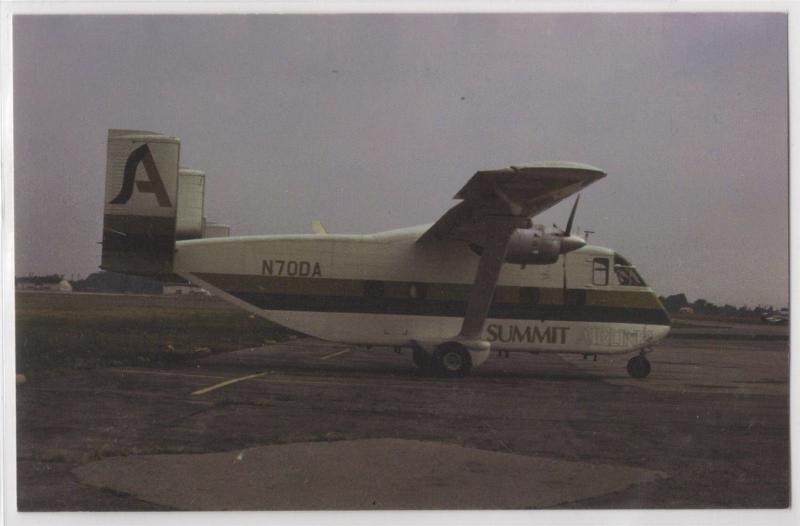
(657,332)
(570,243)
(667,320)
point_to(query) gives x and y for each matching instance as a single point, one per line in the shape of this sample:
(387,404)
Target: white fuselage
(385,289)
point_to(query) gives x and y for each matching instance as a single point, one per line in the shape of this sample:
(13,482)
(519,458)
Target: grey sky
(372,122)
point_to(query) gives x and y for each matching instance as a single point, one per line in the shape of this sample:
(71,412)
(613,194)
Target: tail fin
(141,201)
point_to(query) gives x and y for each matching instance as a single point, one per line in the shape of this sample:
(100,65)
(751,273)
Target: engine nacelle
(531,246)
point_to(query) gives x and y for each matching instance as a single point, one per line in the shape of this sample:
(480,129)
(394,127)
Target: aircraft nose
(667,319)
(658,332)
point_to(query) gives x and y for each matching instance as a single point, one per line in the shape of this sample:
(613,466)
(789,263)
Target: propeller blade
(572,216)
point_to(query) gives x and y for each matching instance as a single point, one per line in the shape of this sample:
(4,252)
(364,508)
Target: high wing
(494,204)
(517,193)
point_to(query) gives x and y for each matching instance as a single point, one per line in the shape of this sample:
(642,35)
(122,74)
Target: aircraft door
(586,271)
(601,268)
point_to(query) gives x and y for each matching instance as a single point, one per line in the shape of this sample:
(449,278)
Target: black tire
(452,360)
(421,359)
(639,367)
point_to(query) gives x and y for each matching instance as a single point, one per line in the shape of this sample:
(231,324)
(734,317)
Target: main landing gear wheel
(639,366)
(452,360)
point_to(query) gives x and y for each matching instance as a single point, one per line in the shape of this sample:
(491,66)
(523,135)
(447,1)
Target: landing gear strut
(421,359)
(639,366)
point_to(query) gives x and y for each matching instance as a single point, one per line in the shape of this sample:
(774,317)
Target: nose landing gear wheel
(452,360)
(639,367)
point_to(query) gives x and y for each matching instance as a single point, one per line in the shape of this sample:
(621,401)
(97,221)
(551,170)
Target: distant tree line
(40,280)
(676,302)
(98,282)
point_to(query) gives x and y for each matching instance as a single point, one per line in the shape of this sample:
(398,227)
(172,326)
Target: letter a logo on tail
(154,186)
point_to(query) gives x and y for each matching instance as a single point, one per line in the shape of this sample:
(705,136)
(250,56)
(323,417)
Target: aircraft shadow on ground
(397,371)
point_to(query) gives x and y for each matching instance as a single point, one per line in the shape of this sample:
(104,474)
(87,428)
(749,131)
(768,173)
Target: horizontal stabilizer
(216,230)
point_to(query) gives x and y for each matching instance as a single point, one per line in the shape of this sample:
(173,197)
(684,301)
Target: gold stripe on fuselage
(305,286)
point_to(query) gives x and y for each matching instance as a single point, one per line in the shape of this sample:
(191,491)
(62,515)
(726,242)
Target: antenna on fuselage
(317,228)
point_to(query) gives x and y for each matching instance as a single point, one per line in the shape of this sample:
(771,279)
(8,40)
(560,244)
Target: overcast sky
(373,122)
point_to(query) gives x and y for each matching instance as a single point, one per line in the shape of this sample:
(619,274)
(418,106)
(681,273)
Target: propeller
(572,215)
(570,242)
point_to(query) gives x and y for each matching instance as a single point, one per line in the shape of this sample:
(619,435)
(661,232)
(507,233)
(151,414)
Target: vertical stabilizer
(141,200)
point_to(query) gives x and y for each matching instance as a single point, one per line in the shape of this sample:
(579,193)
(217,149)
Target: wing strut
(499,232)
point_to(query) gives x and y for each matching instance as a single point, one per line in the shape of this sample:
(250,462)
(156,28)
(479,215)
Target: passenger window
(600,271)
(418,291)
(373,289)
(575,297)
(529,295)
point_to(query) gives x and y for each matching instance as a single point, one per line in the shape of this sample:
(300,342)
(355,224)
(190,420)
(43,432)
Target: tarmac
(309,425)
(383,473)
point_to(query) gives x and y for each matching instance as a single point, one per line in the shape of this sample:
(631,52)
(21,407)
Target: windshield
(626,273)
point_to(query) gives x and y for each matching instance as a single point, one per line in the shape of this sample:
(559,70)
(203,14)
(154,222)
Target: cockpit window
(628,276)
(626,273)
(619,260)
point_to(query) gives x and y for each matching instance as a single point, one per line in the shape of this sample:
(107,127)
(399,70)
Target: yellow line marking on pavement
(164,373)
(226,382)
(335,354)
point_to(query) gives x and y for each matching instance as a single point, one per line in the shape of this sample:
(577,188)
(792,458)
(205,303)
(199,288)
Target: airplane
(779,317)
(483,277)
